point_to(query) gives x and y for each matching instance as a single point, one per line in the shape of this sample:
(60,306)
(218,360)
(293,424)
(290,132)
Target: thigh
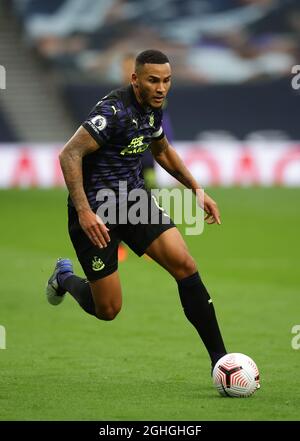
(96,262)
(170,251)
(107,293)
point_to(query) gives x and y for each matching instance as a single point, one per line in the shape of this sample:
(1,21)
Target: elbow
(68,156)
(63,156)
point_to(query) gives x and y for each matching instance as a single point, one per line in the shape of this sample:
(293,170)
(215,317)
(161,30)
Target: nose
(161,89)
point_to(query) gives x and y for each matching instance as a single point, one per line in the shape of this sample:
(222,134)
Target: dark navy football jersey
(124,130)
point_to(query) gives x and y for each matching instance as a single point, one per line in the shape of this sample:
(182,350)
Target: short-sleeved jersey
(124,130)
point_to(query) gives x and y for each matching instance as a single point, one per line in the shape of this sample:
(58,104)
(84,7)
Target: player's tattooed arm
(81,144)
(70,158)
(168,158)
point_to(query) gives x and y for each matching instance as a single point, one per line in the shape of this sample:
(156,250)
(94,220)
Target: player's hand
(94,228)
(211,209)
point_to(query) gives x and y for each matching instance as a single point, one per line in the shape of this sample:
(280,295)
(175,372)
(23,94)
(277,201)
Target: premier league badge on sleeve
(99,122)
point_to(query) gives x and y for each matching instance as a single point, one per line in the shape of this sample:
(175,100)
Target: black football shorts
(100,262)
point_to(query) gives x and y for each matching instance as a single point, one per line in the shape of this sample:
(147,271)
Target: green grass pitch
(149,364)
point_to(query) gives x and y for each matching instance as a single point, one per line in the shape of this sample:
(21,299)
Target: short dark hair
(151,56)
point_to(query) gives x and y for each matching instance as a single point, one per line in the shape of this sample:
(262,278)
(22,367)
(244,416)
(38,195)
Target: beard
(145,97)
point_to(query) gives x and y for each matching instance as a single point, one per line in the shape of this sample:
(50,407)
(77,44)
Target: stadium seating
(224,41)
(226,56)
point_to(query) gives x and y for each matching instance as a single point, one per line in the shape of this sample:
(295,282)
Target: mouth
(158,99)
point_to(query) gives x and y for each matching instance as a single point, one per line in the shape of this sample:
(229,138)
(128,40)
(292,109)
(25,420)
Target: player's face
(151,84)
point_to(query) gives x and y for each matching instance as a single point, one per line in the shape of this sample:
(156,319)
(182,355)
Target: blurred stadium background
(232,111)
(233,115)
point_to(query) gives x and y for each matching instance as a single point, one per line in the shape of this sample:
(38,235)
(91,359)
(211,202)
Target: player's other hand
(94,228)
(211,209)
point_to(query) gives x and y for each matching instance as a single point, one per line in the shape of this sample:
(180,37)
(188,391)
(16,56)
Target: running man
(104,151)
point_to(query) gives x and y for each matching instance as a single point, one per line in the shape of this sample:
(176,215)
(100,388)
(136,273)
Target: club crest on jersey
(136,146)
(99,122)
(151,120)
(97,264)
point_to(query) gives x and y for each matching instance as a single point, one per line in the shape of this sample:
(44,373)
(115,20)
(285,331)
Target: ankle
(62,277)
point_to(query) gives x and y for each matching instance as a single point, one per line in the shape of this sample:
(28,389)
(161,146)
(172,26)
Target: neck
(138,97)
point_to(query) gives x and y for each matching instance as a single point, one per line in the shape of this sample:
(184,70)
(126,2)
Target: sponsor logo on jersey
(136,146)
(97,264)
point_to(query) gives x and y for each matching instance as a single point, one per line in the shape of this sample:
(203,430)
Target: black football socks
(80,289)
(200,311)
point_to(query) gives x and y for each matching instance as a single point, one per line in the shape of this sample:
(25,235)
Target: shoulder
(107,117)
(112,106)
(115,100)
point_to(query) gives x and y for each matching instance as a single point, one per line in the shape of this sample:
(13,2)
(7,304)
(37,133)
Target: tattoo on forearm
(72,170)
(79,145)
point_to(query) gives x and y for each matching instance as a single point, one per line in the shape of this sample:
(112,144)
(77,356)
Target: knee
(186,267)
(108,312)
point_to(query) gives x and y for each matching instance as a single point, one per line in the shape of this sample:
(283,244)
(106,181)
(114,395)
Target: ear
(134,80)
